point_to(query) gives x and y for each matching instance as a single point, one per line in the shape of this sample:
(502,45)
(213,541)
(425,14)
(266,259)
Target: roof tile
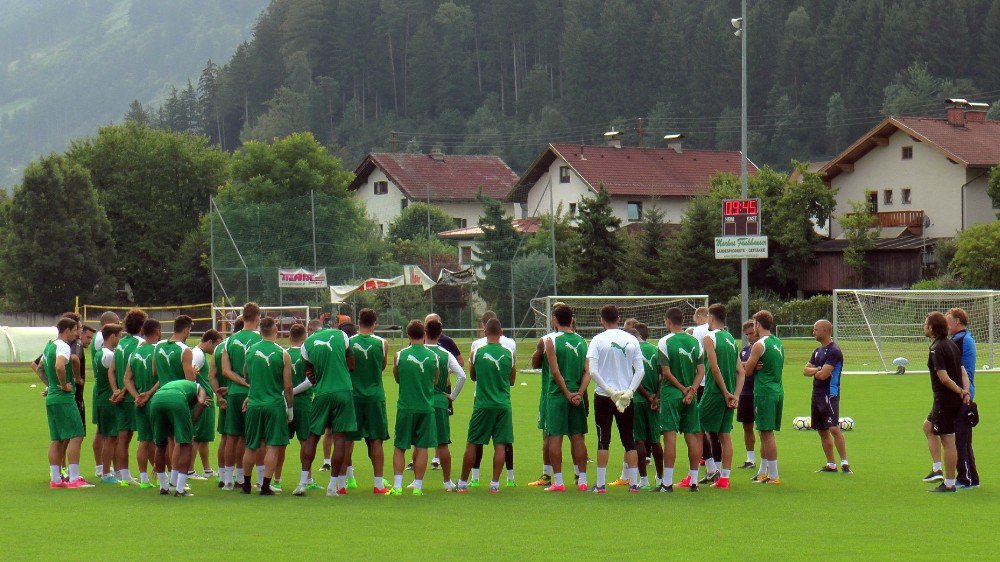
(454,178)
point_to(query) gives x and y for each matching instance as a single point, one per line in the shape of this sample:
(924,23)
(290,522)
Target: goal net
(876,327)
(649,310)
(285,317)
(200,313)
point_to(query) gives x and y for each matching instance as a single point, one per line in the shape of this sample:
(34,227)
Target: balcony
(912,221)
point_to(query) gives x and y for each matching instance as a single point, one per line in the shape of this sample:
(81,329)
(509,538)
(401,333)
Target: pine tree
(598,266)
(498,247)
(137,114)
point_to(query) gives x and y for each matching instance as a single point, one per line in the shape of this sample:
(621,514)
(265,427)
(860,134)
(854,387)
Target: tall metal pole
(211,257)
(312,203)
(744,282)
(552,218)
(430,246)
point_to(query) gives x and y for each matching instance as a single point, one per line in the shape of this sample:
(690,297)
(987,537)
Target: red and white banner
(412,275)
(301,279)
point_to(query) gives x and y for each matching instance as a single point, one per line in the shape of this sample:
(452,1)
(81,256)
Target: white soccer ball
(846,424)
(802,423)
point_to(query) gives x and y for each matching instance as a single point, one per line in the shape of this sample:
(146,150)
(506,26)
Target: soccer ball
(802,423)
(846,424)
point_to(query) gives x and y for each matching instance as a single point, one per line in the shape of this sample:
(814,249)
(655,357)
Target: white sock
(74,472)
(494,484)
(436,460)
(238,475)
(350,472)
(557,479)
(326,461)
(643,481)
(949,482)
(125,475)
(772,472)
(510,475)
(710,466)
(624,475)
(164,483)
(260,475)
(397,480)
(602,476)
(475,474)
(694,476)
(173,478)
(936,466)
(576,470)
(55,473)
(831,464)
(844,462)
(583,478)
(658,481)
(144,477)
(751,456)
(668,476)
(726,472)
(547,469)
(99,471)
(181,482)
(763,467)
(462,483)
(379,482)
(418,484)
(303,478)
(633,475)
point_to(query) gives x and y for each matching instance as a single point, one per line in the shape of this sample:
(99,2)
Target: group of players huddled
(328,385)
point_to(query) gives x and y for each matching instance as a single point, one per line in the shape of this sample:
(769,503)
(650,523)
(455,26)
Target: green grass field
(880,510)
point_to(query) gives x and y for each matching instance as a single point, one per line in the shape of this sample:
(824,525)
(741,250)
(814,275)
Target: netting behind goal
(286,316)
(649,310)
(874,327)
(200,313)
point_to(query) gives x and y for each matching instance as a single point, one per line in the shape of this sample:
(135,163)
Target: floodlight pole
(430,246)
(552,218)
(211,256)
(744,282)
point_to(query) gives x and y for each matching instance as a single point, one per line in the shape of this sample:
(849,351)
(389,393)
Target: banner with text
(740,247)
(301,279)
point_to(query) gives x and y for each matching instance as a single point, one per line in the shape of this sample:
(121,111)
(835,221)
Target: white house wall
(382,208)
(979,207)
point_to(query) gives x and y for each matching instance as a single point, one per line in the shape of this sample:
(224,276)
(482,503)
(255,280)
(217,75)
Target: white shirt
(699,332)
(454,367)
(615,361)
(197,358)
(107,357)
(62,348)
(98,339)
(508,343)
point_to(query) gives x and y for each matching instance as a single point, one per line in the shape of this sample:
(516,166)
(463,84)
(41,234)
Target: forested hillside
(69,66)
(506,76)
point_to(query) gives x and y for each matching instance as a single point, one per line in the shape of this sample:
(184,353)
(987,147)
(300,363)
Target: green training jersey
(679,351)
(369,357)
(56,395)
(201,361)
(767,381)
(167,358)
(102,386)
(183,390)
(123,352)
(265,373)
(726,353)
(141,363)
(327,351)
(299,376)
(546,383)
(236,349)
(416,366)
(492,363)
(651,371)
(571,356)
(441,386)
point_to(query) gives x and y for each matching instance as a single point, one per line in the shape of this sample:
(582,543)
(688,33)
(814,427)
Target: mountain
(70,66)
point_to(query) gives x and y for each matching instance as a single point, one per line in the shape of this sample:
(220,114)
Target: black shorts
(744,409)
(825,412)
(604,412)
(944,416)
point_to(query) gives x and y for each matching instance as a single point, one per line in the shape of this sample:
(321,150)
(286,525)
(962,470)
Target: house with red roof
(387,182)
(635,178)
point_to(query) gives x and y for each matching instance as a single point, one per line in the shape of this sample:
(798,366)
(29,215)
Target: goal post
(225,316)
(874,327)
(200,313)
(649,310)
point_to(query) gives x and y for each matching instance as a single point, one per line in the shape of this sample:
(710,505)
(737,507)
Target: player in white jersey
(511,345)
(614,361)
(711,447)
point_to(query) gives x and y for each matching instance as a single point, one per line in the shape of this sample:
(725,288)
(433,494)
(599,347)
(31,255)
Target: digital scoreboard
(741,217)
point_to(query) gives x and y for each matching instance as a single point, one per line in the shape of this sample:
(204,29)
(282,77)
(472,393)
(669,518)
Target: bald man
(824,367)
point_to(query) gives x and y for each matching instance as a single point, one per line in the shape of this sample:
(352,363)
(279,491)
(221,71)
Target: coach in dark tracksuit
(968,475)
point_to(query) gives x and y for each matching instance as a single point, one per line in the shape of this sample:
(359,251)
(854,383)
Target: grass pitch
(880,510)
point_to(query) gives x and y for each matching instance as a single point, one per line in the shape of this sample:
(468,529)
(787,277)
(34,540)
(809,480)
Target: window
(466,255)
(907,153)
(887,197)
(563,174)
(524,210)
(459,223)
(402,204)
(634,211)
(572,209)
(906,197)
(872,201)
(381,187)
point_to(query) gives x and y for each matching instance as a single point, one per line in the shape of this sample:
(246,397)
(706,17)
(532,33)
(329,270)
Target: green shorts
(333,411)
(646,424)
(125,416)
(491,423)
(442,426)
(767,411)
(64,421)
(299,428)
(171,418)
(106,415)
(235,416)
(221,423)
(204,428)
(266,425)
(143,424)
(562,418)
(372,421)
(543,409)
(677,416)
(415,429)
(716,416)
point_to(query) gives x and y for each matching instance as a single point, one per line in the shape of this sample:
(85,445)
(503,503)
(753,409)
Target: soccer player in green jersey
(104,408)
(96,345)
(494,372)
(416,371)
(719,401)
(565,413)
(141,385)
(202,359)
(538,361)
(301,407)
(233,361)
(329,360)
(173,410)
(221,389)
(682,369)
(646,427)
(371,355)
(65,426)
(172,360)
(446,364)
(768,393)
(269,404)
(125,411)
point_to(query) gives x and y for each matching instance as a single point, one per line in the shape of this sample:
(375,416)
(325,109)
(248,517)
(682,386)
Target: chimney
(436,155)
(956,111)
(674,142)
(976,113)
(613,139)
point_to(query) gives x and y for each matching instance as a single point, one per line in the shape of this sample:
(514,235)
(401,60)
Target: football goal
(649,310)
(200,313)
(225,316)
(876,328)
